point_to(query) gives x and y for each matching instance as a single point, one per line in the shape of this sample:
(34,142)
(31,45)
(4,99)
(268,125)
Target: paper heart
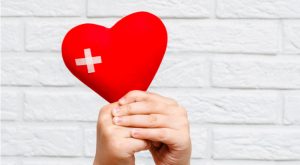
(114,61)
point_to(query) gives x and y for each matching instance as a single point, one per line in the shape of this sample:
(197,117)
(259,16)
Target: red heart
(114,61)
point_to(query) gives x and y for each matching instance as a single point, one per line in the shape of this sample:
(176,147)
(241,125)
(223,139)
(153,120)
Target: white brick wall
(42,140)
(256,143)
(234,65)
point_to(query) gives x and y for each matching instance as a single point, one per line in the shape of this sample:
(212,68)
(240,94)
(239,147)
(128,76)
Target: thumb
(137,145)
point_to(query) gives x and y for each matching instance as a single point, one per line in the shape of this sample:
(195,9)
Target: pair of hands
(143,121)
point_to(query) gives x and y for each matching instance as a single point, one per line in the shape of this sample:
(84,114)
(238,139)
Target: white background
(234,65)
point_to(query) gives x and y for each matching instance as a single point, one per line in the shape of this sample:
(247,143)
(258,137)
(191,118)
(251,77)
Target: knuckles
(173,102)
(182,117)
(152,120)
(183,111)
(135,93)
(104,110)
(179,110)
(104,115)
(127,109)
(163,134)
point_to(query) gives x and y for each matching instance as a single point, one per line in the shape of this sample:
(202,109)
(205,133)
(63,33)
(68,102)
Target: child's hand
(159,120)
(115,146)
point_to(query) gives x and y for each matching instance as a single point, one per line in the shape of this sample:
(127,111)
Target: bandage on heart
(88,60)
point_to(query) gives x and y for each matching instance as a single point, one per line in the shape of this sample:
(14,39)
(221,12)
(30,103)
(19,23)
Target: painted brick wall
(234,65)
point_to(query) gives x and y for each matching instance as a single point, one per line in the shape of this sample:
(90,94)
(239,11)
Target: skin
(156,121)
(115,146)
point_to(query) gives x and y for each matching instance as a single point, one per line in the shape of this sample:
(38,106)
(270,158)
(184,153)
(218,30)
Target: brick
(227,106)
(277,73)
(258,9)
(200,141)
(45,36)
(188,35)
(69,105)
(175,70)
(291,37)
(239,162)
(57,161)
(256,143)
(9,161)
(48,35)
(292,108)
(232,36)
(288,162)
(181,8)
(90,138)
(11,104)
(35,71)
(26,140)
(42,8)
(200,161)
(12,36)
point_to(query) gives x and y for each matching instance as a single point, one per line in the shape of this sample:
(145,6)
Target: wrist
(105,160)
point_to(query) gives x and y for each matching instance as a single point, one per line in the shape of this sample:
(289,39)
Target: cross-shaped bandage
(88,60)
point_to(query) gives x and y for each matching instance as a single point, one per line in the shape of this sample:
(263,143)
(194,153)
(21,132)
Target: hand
(160,120)
(115,146)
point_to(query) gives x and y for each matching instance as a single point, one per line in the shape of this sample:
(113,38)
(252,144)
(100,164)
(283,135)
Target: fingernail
(116,110)
(117,120)
(134,132)
(122,100)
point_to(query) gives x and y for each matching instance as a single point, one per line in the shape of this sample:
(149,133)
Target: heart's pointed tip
(110,99)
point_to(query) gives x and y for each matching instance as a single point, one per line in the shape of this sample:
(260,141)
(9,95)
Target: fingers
(148,121)
(140,108)
(105,117)
(123,132)
(105,123)
(133,96)
(136,96)
(136,145)
(164,135)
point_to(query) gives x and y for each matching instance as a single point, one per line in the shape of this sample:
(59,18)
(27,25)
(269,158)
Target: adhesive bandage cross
(88,60)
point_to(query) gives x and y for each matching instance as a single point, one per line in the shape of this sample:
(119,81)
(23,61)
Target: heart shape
(113,61)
